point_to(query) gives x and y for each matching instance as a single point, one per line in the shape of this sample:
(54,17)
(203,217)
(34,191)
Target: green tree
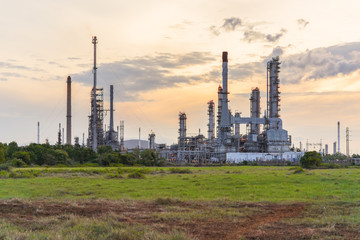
(311,159)
(61,156)
(2,153)
(104,149)
(11,149)
(22,155)
(106,159)
(128,159)
(149,157)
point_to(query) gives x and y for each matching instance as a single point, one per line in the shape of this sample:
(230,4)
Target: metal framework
(211,124)
(97,106)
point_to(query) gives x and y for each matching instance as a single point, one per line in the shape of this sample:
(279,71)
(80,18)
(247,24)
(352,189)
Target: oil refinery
(264,138)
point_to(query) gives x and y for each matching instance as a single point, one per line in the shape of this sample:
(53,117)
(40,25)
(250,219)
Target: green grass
(245,183)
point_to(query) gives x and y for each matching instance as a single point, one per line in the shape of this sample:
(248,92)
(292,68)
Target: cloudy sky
(164,56)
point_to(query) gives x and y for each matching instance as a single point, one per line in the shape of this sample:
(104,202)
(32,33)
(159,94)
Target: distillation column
(211,124)
(225,126)
(182,137)
(255,110)
(219,110)
(276,138)
(273,68)
(152,144)
(182,130)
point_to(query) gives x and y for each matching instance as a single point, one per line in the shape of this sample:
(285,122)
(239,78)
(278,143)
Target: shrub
(330,165)
(5,167)
(137,175)
(4,174)
(298,170)
(180,170)
(114,175)
(17,163)
(311,159)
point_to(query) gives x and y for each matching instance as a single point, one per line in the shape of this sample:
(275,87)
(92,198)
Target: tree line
(50,155)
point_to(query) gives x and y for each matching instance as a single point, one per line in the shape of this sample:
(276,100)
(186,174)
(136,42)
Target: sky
(164,57)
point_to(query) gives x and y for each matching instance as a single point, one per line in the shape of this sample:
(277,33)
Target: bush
(137,175)
(311,159)
(298,170)
(5,167)
(180,170)
(330,165)
(17,163)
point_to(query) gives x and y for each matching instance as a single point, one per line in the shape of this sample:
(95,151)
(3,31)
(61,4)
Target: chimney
(68,112)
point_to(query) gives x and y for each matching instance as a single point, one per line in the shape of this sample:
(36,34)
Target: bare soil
(266,221)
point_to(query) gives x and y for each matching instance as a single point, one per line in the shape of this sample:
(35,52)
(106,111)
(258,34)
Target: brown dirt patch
(261,221)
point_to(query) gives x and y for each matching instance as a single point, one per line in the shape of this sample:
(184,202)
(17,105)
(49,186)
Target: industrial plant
(264,135)
(263,139)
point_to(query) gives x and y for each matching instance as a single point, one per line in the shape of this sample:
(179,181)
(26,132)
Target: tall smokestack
(38,133)
(94,113)
(111,110)
(68,112)
(59,135)
(338,137)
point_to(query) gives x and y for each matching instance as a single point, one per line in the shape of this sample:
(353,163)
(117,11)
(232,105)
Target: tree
(311,159)
(2,153)
(22,155)
(104,149)
(149,157)
(11,149)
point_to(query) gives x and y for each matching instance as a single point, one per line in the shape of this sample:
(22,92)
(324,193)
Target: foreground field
(180,203)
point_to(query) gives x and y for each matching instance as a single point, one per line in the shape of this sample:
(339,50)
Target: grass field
(255,184)
(244,202)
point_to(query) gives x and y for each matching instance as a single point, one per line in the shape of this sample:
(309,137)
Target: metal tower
(255,110)
(220,97)
(211,124)
(38,133)
(182,129)
(152,144)
(338,124)
(111,135)
(273,101)
(122,135)
(68,112)
(94,112)
(347,142)
(225,126)
(96,131)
